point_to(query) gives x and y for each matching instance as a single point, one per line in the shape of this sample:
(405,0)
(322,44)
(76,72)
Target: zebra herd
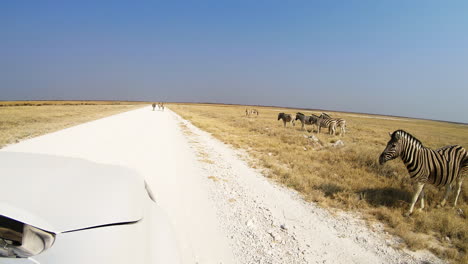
(441,167)
(324,120)
(160,106)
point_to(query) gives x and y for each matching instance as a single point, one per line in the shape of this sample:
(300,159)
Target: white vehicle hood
(61,194)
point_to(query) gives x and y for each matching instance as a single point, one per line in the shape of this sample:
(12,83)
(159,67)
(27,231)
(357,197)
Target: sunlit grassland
(25,119)
(349,177)
(61,102)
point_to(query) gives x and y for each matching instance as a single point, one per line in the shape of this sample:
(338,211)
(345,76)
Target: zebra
(154,106)
(340,122)
(305,120)
(161,106)
(440,167)
(251,112)
(330,123)
(286,118)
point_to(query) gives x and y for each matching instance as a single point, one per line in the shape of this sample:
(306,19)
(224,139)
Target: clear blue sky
(406,58)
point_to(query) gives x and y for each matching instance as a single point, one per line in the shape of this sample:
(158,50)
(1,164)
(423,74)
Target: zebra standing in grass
(252,111)
(314,120)
(440,167)
(305,120)
(324,121)
(340,122)
(286,118)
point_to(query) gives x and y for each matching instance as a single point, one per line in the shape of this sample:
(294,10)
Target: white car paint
(99,213)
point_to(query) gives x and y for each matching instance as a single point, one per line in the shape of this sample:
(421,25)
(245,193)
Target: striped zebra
(314,120)
(440,167)
(340,122)
(252,111)
(327,122)
(286,118)
(161,106)
(154,106)
(305,120)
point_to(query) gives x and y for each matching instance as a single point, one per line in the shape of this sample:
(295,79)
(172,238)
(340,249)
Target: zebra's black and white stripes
(286,118)
(324,121)
(440,167)
(340,122)
(305,120)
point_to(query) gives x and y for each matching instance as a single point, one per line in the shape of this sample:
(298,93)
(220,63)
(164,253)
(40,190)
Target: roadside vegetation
(348,177)
(20,120)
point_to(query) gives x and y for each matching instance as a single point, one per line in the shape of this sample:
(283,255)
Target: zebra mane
(403,134)
(299,113)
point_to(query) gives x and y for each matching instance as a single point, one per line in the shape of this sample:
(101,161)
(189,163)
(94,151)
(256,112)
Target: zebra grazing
(154,106)
(285,117)
(340,122)
(440,167)
(305,120)
(327,122)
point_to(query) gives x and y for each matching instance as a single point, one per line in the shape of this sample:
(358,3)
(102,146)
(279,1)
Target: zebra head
(280,115)
(393,149)
(298,116)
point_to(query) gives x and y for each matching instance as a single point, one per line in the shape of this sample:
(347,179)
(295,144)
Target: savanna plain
(20,120)
(348,177)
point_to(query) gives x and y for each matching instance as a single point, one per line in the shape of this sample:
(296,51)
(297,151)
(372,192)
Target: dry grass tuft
(213,178)
(349,177)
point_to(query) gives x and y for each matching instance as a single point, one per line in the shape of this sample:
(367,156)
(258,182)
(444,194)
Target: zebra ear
(390,134)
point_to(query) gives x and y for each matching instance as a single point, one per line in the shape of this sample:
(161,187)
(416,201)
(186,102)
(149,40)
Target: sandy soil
(223,211)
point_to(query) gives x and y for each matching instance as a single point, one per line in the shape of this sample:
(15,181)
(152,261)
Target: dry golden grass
(58,102)
(350,177)
(30,119)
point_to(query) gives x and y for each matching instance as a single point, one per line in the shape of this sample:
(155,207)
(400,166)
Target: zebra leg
(447,192)
(284,122)
(459,183)
(422,200)
(419,188)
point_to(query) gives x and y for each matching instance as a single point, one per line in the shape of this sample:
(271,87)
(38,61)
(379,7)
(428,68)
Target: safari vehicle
(67,210)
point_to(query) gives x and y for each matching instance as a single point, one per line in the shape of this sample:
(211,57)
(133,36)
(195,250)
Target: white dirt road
(222,210)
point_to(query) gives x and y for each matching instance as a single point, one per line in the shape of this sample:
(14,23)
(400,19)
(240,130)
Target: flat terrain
(20,120)
(347,177)
(223,211)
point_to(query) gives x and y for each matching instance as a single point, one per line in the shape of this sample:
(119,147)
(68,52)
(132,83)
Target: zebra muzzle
(382,159)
